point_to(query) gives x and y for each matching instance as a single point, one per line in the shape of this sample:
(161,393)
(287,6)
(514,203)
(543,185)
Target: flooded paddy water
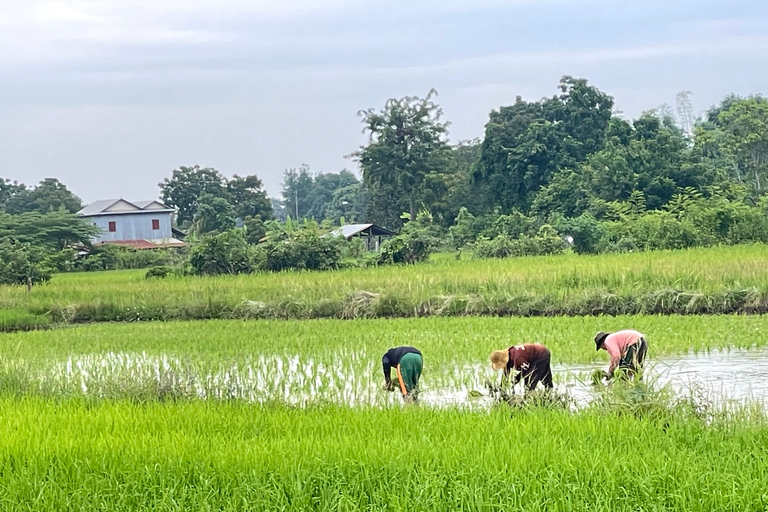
(354,378)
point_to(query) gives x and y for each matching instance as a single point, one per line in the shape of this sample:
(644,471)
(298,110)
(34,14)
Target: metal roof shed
(371,232)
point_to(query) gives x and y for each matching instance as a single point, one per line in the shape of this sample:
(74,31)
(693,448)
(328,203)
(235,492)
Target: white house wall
(130,226)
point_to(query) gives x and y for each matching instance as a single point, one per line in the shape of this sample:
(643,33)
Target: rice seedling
(228,456)
(301,362)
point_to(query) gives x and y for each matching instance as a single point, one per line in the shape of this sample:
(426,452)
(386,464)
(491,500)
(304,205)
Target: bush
(546,242)
(20,262)
(119,257)
(304,249)
(160,272)
(417,240)
(587,233)
(226,253)
(656,231)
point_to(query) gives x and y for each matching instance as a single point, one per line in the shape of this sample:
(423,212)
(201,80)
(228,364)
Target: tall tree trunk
(413,208)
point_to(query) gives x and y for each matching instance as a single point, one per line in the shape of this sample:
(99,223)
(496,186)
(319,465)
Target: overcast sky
(110,96)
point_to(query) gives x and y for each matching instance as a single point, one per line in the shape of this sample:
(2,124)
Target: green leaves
(188,186)
(407,142)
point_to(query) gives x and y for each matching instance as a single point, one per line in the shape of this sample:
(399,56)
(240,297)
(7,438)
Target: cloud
(61,12)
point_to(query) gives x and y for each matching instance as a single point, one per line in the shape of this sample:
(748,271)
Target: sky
(111,96)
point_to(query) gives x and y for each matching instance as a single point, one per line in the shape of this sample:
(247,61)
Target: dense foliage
(33,245)
(207,202)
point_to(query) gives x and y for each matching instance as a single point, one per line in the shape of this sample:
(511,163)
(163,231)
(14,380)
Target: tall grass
(12,320)
(221,456)
(695,281)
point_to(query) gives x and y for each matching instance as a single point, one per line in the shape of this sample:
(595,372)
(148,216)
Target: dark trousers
(540,371)
(634,357)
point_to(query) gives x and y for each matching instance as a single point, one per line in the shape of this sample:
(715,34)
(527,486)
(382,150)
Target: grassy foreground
(224,456)
(695,281)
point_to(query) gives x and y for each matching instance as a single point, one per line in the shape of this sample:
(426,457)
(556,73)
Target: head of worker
(499,359)
(600,340)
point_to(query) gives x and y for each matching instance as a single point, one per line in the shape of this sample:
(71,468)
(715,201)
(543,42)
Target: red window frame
(112,226)
(155,224)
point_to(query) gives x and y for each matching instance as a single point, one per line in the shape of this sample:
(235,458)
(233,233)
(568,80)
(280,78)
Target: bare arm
(387,367)
(614,364)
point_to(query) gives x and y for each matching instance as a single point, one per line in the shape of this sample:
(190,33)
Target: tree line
(563,171)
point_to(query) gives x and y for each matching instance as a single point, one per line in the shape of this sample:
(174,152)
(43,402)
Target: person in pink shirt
(627,350)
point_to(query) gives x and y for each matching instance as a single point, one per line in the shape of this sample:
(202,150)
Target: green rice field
(695,281)
(227,456)
(244,410)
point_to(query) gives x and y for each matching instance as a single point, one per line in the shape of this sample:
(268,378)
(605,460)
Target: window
(112,226)
(155,223)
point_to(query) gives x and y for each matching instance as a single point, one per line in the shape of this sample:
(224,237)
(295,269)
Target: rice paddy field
(247,410)
(228,456)
(696,281)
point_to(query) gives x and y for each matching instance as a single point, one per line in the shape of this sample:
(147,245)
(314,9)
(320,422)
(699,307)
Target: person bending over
(530,361)
(408,362)
(627,349)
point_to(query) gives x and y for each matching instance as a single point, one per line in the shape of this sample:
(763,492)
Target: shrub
(587,233)
(20,262)
(546,242)
(161,271)
(118,257)
(304,249)
(225,253)
(417,240)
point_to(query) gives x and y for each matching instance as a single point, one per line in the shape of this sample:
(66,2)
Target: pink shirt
(616,344)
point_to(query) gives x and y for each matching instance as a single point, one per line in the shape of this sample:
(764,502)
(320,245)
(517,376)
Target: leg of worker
(547,379)
(410,366)
(641,352)
(417,373)
(400,379)
(627,363)
(534,376)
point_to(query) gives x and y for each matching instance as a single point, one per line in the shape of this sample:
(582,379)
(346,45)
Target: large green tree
(186,185)
(527,143)
(297,185)
(51,231)
(248,197)
(407,142)
(213,215)
(736,136)
(650,157)
(49,195)
(8,189)
(245,195)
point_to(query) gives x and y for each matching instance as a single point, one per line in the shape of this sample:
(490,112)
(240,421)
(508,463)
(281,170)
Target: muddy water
(354,378)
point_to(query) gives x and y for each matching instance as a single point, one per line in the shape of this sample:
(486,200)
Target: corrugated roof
(350,230)
(354,229)
(150,205)
(120,206)
(97,207)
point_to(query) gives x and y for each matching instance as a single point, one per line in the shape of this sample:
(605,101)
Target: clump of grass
(360,304)
(543,398)
(12,320)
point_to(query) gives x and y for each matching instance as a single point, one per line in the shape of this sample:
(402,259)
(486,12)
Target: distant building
(139,224)
(370,233)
